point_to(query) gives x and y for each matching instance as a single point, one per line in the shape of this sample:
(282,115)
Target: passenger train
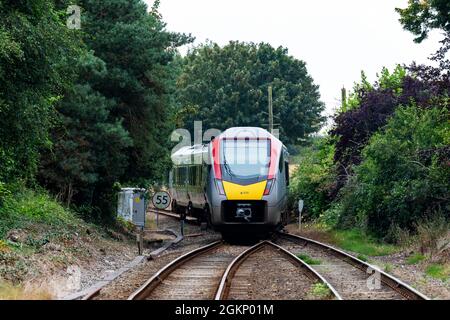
(237,183)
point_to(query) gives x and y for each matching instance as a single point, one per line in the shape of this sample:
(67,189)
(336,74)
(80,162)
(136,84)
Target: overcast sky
(336,39)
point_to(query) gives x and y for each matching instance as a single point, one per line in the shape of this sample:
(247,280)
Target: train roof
(185,154)
(250,132)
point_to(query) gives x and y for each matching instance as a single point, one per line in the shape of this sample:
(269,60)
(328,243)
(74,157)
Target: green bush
(313,177)
(403,177)
(29,207)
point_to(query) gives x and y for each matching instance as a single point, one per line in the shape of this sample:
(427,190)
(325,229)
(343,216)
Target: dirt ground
(72,261)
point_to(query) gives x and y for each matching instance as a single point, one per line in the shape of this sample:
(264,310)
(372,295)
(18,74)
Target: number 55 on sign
(161,200)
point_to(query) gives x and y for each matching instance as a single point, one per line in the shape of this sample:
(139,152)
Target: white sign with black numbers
(161,200)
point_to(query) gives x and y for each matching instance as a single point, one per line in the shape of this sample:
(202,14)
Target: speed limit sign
(161,200)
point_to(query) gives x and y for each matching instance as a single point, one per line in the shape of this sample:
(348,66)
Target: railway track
(237,281)
(270,270)
(352,277)
(220,271)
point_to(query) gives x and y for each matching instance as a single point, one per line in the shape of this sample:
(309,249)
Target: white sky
(336,39)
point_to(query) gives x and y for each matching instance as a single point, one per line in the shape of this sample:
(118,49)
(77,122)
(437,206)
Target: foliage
(37,52)
(438,271)
(358,241)
(227,86)
(420,17)
(320,290)
(402,178)
(354,128)
(27,207)
(313,179)
(114,123)
(433,235)
(88,154)
(308,260)
(415,258)
(137,51)
(385,80)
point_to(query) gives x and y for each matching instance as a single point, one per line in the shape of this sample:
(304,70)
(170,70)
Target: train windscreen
(248,158)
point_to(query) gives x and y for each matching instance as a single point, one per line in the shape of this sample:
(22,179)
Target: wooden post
(270,110)
(140,240)
(344,99)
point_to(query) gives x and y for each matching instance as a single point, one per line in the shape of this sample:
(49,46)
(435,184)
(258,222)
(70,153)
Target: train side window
(183,175)
(191,176)
(286,172)
(280,165)
(199,175)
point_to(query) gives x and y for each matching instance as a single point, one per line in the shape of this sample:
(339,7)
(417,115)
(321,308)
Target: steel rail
(225,283)
(146,289)
(172,215)
(395,284)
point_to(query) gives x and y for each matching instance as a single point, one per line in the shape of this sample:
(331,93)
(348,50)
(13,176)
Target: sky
(336,39)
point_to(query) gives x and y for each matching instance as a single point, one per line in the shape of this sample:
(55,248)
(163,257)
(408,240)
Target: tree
(228,87)
(37,58)
(88,151)
(403,178)
(421,16)
(138,53)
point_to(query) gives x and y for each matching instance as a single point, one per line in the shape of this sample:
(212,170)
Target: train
(237,183)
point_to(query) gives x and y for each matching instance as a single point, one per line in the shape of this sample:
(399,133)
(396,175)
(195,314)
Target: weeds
(308,260)
(11,292)
(415,258)
(357,241)
(438,271)
(362,257)
(433,236)
(388,267)
(320,290)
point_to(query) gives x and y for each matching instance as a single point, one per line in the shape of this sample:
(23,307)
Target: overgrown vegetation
(320,290)
(308,260)
(383,170)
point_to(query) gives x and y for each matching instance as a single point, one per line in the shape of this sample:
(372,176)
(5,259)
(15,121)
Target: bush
(28,207)
(404,175)
(313,177)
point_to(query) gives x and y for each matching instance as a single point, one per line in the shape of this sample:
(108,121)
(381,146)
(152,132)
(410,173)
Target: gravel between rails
(349,281)
(268,275)
(199,277)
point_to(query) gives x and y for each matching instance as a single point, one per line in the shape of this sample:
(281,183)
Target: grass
(320,290)
(362,257)
(415,258)
(353,240)
(438,271)
(28,208)
(357,241)
(308,260)
(388,267)
(11,292)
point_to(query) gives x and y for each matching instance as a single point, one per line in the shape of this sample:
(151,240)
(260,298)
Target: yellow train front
(237,183)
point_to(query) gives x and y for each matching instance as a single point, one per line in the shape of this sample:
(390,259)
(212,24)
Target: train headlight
(269,186)
(219,187)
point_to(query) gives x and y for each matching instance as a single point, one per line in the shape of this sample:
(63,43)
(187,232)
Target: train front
(247,191)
